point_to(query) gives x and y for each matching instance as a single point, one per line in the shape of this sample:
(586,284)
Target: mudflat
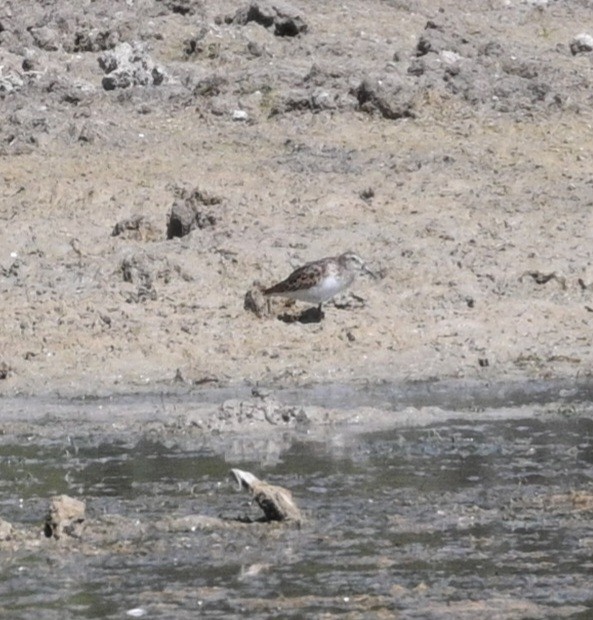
(449,144)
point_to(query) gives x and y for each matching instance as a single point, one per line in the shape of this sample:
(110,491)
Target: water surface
(456,519)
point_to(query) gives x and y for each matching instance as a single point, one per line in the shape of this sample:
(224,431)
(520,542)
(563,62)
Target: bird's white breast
(323,291)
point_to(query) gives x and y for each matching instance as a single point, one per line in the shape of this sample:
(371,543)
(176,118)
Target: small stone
(367,194)
(129,65)
(28,63)
(240,115)
(276,502)
(137,227)
(392,98)
(66,515)
(581,44)
(449,58)
(255,301)
(45,38)
(188,213)
(255,49)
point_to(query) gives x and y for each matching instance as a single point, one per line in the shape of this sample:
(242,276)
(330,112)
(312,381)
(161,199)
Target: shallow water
(456,519)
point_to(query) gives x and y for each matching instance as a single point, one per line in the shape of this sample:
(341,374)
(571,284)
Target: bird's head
(353,262)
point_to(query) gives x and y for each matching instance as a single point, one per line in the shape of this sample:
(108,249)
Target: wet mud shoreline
(256,411)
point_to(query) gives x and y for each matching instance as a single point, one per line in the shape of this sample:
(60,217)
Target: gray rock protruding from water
(66,516)
(276,502)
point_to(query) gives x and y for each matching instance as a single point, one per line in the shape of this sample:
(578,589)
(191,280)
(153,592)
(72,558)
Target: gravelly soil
(449,144)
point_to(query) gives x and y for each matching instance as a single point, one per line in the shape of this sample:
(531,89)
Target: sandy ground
(448,144)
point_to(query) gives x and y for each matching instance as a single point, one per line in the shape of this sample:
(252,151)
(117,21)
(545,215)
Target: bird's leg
(320,311)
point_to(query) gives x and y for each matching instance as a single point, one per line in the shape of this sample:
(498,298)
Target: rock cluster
(129,65)
(192,209)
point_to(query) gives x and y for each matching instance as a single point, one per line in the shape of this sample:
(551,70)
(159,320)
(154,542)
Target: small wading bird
(318,281)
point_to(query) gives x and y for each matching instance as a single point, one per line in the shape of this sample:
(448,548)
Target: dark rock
(119,80)
(28,63)
(129,65)
(181,220)
(261,14)
(93,40)
(188,213)
(367,194)
(283,20)
(392,100)
(182,7)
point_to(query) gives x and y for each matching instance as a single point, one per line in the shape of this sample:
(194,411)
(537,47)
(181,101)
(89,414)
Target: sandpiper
(318,281)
